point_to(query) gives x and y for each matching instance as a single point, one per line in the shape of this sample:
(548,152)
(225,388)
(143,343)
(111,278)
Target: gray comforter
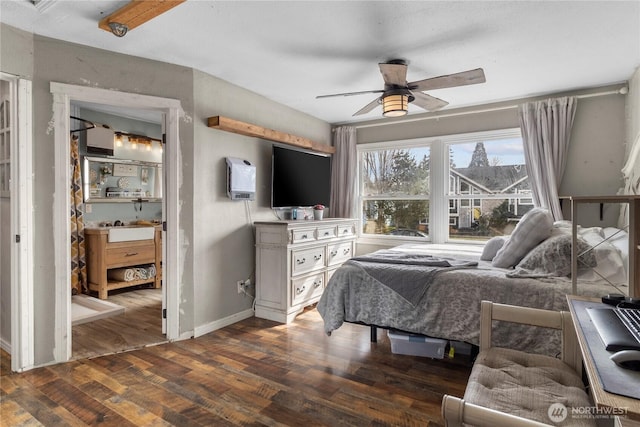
(450,306)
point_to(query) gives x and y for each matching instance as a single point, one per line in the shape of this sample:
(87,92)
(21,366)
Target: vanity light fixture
(135,140)
(134,14)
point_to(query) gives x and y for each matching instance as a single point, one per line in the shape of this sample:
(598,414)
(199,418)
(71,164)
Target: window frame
(439,198)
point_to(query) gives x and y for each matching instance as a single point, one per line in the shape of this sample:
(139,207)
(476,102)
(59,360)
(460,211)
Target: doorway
(108,178)
(16,182)
(170,110)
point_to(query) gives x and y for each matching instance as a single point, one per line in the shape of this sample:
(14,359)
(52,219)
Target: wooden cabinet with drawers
(103,256)
(294,261)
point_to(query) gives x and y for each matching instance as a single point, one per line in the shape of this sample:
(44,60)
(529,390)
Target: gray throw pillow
(553,256)
(534,227)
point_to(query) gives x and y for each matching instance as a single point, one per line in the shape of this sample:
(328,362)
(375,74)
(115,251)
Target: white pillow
(620,240)
(492,247)
(609,265)
(534,227)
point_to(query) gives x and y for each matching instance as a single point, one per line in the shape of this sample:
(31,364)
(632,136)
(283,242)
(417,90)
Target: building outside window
(453,188)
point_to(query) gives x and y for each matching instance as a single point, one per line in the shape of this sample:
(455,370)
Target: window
(395,191)
(458,187)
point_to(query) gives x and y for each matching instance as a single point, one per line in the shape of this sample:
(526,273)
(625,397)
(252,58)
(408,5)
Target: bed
(372,290)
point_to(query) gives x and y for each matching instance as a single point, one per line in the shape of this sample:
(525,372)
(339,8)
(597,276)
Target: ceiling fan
(397,93)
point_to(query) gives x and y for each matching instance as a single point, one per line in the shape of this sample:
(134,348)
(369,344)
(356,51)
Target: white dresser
(294,261)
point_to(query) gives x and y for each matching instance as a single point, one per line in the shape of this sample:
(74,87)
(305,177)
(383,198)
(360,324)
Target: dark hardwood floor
(255,372)
(139,326)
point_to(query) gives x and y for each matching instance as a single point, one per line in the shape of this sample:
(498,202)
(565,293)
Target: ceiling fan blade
(370,106)
(349,93)
(428,102)
(470,77)
(394,74)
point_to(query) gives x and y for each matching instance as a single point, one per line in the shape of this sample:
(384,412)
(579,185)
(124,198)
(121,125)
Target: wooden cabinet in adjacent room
(294,261)
(121,264)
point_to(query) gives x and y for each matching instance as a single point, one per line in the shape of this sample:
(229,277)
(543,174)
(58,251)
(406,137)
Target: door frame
(21,227)
(63,94)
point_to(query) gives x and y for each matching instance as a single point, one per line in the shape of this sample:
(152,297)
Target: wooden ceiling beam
(247,129)
(138,12)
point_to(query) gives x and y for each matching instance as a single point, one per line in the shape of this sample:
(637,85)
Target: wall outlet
(243,285)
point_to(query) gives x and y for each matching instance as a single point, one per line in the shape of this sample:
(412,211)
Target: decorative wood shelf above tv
(236,126)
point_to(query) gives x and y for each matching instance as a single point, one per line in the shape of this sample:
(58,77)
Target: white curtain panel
(344,173)
(631,176)
(546,132)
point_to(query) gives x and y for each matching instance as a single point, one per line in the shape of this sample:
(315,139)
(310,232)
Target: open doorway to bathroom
(64,97)
(116,230)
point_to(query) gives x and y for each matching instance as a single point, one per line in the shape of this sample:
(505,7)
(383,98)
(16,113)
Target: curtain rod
(90,123)
(622,91)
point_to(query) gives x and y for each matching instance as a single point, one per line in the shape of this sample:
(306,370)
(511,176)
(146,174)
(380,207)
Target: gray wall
(57,61)
(224,247)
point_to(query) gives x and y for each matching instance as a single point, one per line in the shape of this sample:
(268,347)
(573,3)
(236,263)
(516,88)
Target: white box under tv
(241,179)
(416,345)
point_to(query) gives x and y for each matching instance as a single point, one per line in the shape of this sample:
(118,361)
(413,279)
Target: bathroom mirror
(109,180)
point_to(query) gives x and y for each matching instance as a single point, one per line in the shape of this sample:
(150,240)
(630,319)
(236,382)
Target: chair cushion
(526,385)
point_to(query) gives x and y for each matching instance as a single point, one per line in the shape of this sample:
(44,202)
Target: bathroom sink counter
(105,253)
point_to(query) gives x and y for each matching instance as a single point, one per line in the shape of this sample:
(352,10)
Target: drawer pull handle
(334,253)
(300,290)
(346,251)
(326,233)
(317,284)
(131,253)
(301,261)
(317,257)
(304,236)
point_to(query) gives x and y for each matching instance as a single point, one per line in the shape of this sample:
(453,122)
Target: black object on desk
(614,379)
(614,334)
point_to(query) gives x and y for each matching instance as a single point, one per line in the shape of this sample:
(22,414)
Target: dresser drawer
(130,254)
(304,235)
(346,230)
(326,233)
(307,260)
(340,252)
(306,288)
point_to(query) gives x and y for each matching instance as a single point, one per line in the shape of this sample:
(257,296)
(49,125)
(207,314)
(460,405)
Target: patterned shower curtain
(78,261)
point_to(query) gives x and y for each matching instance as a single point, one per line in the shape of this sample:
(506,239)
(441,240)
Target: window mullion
(439,205)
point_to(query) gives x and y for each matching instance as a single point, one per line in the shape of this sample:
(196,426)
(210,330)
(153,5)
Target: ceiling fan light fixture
(395,105)
(118,29)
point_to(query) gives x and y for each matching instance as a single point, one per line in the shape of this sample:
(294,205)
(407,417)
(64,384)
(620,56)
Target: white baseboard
(5,345)
(219,324)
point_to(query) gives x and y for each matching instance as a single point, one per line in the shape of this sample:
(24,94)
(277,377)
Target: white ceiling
(291,51)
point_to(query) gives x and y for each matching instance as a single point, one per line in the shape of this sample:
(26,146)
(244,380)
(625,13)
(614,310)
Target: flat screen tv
(299,178)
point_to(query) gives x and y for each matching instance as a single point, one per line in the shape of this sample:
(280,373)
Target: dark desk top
(611,385)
